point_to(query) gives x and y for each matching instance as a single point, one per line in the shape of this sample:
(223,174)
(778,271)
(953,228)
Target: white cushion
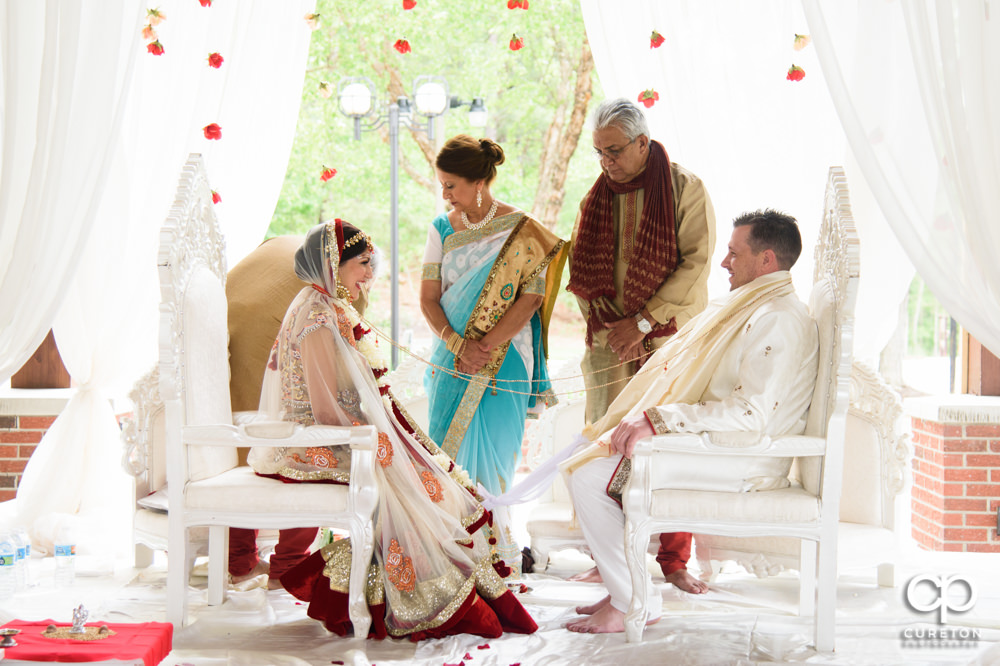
(729,473)
(241,490)
(554,520)
(206,365)
(788,505)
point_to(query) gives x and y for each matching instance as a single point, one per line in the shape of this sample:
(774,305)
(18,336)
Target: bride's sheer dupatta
(431,555)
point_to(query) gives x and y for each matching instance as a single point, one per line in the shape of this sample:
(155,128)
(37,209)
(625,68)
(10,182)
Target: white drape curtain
(59,130)
(917,87)
(727,113)
(106,328)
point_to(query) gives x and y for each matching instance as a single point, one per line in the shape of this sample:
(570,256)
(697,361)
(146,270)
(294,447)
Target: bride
(434,571)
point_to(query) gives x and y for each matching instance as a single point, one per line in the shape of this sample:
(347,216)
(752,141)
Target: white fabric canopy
(106,327)
(727,112)
(917,87)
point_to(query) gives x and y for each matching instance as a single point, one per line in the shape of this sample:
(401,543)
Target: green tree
(537,99)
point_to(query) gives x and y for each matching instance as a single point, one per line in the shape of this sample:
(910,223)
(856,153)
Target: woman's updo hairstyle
(470,158)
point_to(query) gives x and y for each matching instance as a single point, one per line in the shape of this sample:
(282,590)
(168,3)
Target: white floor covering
(742,620)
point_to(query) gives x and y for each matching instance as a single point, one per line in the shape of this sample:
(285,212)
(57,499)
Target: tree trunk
(561,140)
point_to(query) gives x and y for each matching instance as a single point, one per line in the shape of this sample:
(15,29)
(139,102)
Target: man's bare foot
(593,608)
(589,576)
(259,569)
(608,620)
(685,581)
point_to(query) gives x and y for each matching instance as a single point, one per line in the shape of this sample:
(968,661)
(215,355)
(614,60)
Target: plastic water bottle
(65,553)
(19,561)
(8,555)
(26,540)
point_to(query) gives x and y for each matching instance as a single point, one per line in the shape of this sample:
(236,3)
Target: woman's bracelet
(455,344)
(443,329)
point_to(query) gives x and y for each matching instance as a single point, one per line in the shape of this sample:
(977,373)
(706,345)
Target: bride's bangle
(443,329)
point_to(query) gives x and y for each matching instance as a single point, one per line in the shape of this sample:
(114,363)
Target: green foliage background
(467,44)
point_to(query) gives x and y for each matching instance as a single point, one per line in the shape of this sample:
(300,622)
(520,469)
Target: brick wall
(956,485)
(18,437)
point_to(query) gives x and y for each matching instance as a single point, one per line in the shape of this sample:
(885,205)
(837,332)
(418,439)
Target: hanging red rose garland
(402,46)
(516,43)
(216,197)
(212,131)
(327,173)
(409,4)
(517,4)
(656,40)
(648,97)
(795,73)
(215,60)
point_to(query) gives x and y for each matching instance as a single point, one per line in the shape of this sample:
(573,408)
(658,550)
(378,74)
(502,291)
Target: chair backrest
(835,288)
(194,354)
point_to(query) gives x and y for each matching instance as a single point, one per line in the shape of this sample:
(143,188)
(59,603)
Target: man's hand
(629,432)
(625,338)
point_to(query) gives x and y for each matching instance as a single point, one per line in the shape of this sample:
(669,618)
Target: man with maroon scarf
(639,264)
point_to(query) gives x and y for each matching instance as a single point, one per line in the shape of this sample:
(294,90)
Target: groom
(748,364)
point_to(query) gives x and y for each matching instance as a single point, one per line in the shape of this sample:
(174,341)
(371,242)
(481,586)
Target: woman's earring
(479,199)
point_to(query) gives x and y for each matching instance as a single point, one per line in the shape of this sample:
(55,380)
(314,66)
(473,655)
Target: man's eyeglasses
(612,153)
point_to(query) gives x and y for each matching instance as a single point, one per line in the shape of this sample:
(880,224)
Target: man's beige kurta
(683,295)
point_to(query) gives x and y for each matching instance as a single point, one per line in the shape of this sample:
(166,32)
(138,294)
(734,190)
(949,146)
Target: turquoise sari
(480,423)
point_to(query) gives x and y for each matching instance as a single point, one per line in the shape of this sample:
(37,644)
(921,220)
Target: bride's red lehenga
(435,571)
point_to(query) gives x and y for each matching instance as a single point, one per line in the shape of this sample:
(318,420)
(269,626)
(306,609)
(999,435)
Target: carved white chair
(205,487)
(875,457)
(808,511)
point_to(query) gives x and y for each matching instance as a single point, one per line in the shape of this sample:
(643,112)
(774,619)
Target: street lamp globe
(355,100)
(431,98)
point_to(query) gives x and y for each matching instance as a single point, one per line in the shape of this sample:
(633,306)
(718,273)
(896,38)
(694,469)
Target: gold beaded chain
(486,382)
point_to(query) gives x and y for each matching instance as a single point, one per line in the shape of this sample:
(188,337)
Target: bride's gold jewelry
(358,237)
(343,292)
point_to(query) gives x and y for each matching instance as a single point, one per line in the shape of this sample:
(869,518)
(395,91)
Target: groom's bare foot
(607,620)
(593,608)
(685,581)
(589,576)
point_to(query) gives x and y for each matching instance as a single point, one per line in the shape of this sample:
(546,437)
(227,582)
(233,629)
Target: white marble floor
(742,620)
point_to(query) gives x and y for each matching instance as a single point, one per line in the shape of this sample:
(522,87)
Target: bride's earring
(479,199)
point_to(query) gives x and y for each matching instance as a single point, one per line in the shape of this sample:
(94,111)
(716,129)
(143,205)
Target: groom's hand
(628,433)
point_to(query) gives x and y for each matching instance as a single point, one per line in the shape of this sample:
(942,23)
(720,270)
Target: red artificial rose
(402,46)
(215,60)
(409,4)
(648,97)
(213,131)
(327,173)
(656,40)
(216,197)
(795,73)
(517,4)
(516,43)
(156,48)
(205,3)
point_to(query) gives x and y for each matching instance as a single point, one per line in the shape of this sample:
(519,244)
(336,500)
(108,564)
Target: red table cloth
(148,641)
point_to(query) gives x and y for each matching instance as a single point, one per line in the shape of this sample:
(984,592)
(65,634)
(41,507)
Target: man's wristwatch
(644,326)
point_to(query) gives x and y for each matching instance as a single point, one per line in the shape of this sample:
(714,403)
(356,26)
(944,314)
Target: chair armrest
(732,443)
(277,433)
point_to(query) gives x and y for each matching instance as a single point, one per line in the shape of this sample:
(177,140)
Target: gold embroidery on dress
(620,480)
(656,419)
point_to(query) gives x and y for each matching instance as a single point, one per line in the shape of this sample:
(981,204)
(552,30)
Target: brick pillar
(956,473)
(18,437)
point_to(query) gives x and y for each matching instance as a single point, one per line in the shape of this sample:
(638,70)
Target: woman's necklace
(483,222)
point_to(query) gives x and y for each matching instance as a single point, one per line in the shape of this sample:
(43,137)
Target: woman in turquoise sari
(490,277)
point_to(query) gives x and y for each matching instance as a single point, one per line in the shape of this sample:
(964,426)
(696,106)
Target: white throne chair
(808,510)
(206,491)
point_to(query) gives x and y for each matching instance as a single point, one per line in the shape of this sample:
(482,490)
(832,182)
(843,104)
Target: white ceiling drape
(917,87)
(727,112)
(154,110)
